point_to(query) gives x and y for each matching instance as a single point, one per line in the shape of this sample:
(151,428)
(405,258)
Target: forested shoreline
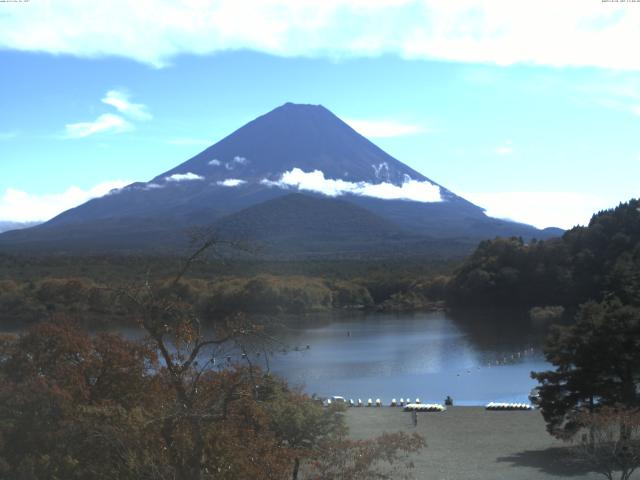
(84,288)
(561,273)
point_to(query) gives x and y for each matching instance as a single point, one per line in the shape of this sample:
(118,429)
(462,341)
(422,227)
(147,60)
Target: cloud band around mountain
(315,181)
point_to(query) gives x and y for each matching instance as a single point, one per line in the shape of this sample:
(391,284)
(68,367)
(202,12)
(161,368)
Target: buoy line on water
(508,406)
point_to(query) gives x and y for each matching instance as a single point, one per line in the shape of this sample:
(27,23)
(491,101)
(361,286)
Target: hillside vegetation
(33,289)
(586,263)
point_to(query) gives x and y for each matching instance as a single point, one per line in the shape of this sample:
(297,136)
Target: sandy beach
(470,443)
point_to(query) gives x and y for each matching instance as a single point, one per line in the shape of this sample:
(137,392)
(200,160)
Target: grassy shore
(469,443)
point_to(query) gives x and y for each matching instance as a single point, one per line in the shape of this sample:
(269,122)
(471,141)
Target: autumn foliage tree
(72,406)
(75,406)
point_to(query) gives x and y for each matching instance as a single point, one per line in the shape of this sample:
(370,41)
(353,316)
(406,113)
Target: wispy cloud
(541,209)
(20,206)
(183,177)
(316,182)
(120,101)
(384,128)
(545,32)
(105,123)
(110,122)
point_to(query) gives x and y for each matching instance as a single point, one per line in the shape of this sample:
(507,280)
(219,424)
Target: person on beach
(448,402)
(414,417)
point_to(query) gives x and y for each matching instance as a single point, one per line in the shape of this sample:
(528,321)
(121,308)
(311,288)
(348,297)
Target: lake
(475,358)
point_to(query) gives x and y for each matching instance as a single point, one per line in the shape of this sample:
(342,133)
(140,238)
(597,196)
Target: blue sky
(531,112)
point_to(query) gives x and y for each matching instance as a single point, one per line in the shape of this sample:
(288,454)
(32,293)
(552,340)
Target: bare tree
(188,350)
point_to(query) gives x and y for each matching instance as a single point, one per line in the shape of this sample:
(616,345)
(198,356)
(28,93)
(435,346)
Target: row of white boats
(418,406)
(371,403)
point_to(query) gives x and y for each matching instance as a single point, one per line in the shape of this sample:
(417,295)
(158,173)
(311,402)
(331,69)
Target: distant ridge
(6,226)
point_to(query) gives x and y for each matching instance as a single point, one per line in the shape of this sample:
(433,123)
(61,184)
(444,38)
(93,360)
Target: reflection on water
(427,355)
(475,357)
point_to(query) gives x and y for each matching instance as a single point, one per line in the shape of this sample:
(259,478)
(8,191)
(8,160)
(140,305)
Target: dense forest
(586,263)
(82,288)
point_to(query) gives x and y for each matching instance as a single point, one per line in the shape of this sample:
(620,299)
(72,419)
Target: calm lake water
(474,358)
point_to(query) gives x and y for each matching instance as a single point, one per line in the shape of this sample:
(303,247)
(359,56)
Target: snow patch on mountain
(382,171)
(237,160)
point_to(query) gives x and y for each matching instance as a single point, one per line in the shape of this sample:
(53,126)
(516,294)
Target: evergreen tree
(597,364)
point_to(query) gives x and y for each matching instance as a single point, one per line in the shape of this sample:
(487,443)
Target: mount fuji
(297,180)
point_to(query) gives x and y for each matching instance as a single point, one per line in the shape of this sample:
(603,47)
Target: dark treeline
(131,267)
(35,288)
(584,264)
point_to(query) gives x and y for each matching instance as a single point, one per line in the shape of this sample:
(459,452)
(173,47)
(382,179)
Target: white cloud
(231,182)
(183,177)
(109,122)
(503,32)
(105,123)
(120,101)
(384,128)
(20,206)
(214,163)
(542,209)
(316,182)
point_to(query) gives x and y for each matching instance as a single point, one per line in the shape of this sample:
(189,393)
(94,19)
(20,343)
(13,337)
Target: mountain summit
(294,149)
(307,137)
